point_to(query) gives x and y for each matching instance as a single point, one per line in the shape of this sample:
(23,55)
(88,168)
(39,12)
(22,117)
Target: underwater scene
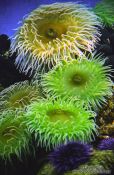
(57,87)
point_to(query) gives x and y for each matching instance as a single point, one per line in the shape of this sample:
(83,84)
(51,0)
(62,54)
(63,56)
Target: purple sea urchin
(84,80)
(70,156)
(51,32)
(14,136)
(56,122)
(106,144)
(19,95)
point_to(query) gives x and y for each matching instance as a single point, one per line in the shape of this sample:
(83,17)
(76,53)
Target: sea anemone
(70,156)
(19,95)
(86,80)
(105,10)
(56,122)
(14,136)
(51,32)
(106,144)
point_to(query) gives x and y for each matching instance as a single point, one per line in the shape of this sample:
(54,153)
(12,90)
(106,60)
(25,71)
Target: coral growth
(56,122)
(105,117)
(100,163)
(104,158)
(47,169)
(19,95)
(14,136)
(51,32)
(105,10)
(87,80)
(70,156)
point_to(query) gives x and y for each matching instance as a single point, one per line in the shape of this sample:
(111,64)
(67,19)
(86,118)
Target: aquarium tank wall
(56,87)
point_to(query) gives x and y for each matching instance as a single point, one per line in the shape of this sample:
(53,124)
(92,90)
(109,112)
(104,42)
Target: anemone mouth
(59,114)
(78,79)
(51,31)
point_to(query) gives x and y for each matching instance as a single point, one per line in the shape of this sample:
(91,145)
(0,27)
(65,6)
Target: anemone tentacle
(14,137)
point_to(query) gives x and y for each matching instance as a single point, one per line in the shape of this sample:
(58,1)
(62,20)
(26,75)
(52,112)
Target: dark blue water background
(12,11)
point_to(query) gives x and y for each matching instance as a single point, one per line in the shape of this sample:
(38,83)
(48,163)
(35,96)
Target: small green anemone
(56,122)
(105,10)
(86,80)
(14,136)
(19,95)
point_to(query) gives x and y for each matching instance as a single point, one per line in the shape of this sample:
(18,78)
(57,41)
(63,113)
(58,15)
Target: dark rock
(104,48)
(111,38)
(9,73)
(4,44)
(106,43)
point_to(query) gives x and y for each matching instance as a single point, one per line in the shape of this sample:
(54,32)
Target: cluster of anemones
(14,136)
(60,109)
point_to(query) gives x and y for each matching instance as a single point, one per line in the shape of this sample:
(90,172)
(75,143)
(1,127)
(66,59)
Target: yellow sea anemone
(52,32)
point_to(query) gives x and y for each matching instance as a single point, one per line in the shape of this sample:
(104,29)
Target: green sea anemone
(14,136)
(19,95)
(51,32)
(86,80)
(56,122)
(105,10)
